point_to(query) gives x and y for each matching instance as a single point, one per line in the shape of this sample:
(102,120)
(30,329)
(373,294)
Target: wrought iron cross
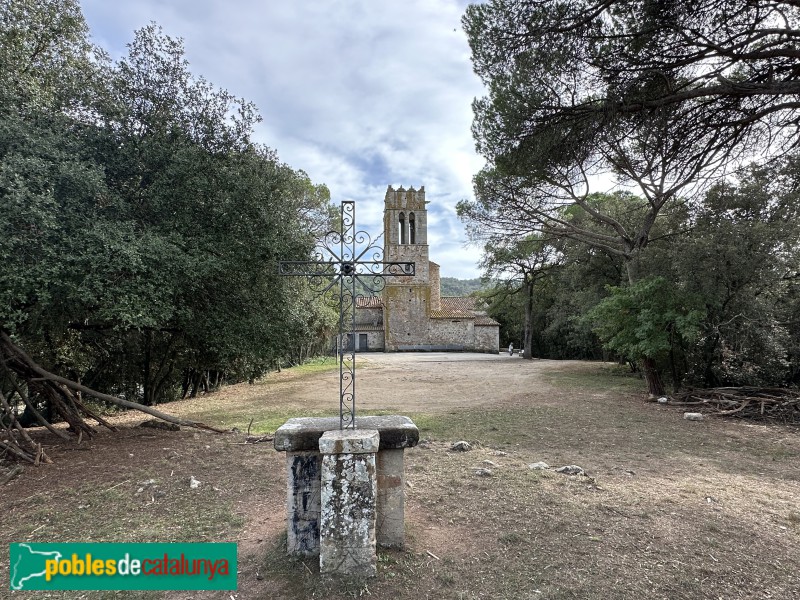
(353,260)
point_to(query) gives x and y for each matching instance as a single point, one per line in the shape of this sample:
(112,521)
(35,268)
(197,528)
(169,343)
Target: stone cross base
(300,439)
(303,502)
(349,498)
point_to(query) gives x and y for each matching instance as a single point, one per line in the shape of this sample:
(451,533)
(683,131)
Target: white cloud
(359,94)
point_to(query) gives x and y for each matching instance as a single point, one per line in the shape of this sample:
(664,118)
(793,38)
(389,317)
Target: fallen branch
(64,399)
(17,452)
(252,439)
(32,407)
(31,445)
(74,386)
(15,472)
(768,404)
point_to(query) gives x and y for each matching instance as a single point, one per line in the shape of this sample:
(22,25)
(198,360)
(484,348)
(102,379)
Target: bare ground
(669,509)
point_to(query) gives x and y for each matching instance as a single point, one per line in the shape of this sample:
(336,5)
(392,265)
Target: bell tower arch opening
(404,230)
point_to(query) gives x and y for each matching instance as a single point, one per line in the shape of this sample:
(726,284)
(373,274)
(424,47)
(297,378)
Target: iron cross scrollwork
(354,261)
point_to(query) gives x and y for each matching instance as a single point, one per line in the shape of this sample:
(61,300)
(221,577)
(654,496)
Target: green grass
(606,376)
(496,428)
(320,364)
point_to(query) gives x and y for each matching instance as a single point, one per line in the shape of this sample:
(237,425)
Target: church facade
(411,314)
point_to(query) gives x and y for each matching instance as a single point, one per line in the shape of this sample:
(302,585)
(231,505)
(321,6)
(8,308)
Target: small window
(402,228)
(412,228)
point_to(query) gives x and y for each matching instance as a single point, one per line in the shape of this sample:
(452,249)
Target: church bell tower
(406,300)
(405,231)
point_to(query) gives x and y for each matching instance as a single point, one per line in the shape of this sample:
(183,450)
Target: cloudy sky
(358,93)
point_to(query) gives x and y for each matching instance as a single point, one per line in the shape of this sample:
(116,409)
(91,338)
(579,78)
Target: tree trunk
(147,399)
(187,381)
(162,383)
(527,343)
(655,386)
(195,383)
(676,379)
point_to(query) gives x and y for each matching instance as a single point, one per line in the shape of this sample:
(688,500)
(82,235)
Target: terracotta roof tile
(369,302)
(453,307)
(452,314)
(458,303)
(463,307)
(368,327)
(485,320)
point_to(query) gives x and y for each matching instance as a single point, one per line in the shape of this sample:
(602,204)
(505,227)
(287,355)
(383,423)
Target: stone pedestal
(349,499)
(300,438)
(303,502)
(391,495)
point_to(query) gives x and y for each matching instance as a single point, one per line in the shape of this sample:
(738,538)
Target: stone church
(411,313)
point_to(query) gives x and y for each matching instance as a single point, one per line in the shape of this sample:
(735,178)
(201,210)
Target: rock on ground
(571,470)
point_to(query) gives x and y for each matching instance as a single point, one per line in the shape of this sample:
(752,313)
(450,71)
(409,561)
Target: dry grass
(670,509)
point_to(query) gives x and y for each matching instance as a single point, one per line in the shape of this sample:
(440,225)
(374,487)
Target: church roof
(458,303)
(453,307)
(485,320)
(369,302)
(463,307)
(368,327)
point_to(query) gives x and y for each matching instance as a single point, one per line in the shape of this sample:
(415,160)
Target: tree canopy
(667,101)
(140,226)
(658,96)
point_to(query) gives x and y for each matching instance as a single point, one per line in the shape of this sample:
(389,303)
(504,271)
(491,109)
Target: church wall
(369,316)
(407,253)
(422,225)
(452,332)
(487,338)
(375,342)
(436,291)
(406,315)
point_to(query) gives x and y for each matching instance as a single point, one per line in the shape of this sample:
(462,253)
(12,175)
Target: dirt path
(427,382)
(440,382)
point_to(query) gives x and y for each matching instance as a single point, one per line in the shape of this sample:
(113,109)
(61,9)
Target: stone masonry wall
(369,316)
(487,338)
(406,315)
(436,286)
(375,341)
(453,332)
(418,254)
